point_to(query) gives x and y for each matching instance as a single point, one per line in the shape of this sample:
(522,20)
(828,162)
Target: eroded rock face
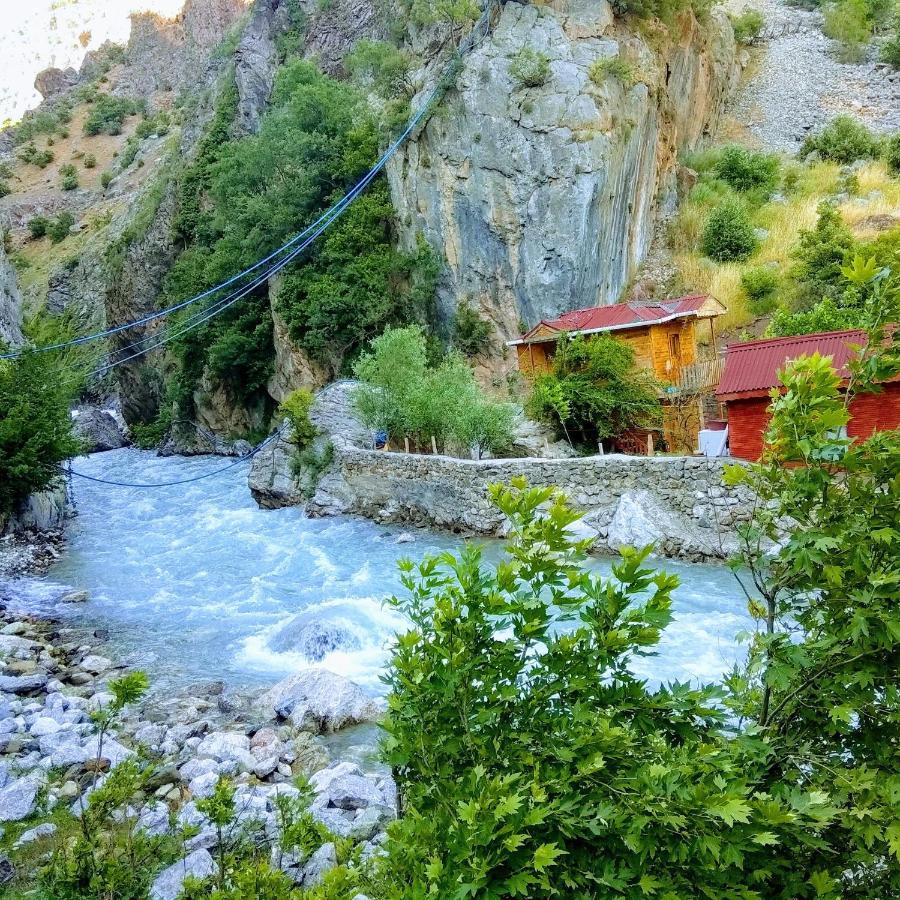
(53,81)
(543,199)
(168,54)
(10,303)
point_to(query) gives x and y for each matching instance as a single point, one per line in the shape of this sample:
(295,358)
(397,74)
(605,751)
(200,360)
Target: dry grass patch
(782,220)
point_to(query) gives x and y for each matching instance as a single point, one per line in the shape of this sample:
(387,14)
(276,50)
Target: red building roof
(622,315)
(753,367)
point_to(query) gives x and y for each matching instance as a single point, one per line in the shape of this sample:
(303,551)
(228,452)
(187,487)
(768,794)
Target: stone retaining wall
(678,503)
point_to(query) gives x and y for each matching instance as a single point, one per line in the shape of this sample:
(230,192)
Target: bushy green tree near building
(595,391)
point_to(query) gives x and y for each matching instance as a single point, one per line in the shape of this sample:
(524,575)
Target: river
(194,582)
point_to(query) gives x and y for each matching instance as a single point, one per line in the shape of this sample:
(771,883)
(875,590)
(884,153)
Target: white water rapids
(194,582)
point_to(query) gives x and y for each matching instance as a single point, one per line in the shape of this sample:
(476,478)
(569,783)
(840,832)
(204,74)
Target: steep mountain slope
(544,197)
(532,198)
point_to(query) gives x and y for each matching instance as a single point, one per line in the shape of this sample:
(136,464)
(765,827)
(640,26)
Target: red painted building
(751,371)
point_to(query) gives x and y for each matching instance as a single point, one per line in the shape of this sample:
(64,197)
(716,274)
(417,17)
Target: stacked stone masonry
(679,504)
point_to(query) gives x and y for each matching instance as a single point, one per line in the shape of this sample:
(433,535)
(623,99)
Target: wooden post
(650,444)
(433,445)
(406,443)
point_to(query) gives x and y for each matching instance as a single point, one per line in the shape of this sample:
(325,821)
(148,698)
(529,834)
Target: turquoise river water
(195,582)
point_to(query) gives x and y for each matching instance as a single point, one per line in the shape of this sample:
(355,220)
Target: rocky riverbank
(54,680)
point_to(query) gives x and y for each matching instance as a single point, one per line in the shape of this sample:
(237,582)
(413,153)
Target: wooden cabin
(751,372)
(664,334)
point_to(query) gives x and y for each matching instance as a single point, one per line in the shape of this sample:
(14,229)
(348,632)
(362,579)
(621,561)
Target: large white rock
(169,882)
(17,799)
(319,701)
(226,746)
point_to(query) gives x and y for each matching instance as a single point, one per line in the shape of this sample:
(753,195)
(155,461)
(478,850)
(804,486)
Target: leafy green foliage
(108,114)
(747,25)
(892,154)
(530,68)
(820,253)
(35,428)
(848,23)
(356,283)
(383,66)
(106,179)
(612,67)
(595,391)
(69,179)
(843,140)
(869,289)
(472,334)
(747,170)
(89,161)
(107,856)
(454,13)
(890,49)
(31,155)
(404,396)
(5,189)
(550,769)
(759,285)
(37,226)
(59,228)
(728,235)
(244,198)
(819,683)
(295,407)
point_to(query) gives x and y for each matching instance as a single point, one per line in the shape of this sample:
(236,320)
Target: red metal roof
(754,366)
(622,315)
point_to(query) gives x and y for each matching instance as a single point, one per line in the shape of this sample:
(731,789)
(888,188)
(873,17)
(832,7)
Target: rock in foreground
(320,701)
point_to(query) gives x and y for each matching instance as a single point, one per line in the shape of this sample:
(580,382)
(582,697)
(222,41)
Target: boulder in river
(98,429)
(319,701)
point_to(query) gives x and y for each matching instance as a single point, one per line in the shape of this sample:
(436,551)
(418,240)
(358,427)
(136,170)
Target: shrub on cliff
(843,140)
(595,391)
(108,114)
(35,427)
(530,68)
(471,332)
(728,235)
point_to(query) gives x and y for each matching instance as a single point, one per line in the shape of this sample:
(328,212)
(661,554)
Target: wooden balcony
(703,375)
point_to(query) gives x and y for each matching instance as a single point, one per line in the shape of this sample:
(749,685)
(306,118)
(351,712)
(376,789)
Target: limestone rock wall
(680,504)
(543,199)
(10,303)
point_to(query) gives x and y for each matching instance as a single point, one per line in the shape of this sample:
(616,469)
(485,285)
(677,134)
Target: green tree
(820,685)
(549,768)
(747,170)
(35,427)
(843,140)
(820,253)
(728,235)
(595,391)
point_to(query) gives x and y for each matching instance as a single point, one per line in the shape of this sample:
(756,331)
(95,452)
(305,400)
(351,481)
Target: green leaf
(546,856)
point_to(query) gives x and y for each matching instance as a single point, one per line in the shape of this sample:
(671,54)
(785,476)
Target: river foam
(195,582)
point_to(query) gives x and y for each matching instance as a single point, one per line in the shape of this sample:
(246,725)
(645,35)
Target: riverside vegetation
(530,760)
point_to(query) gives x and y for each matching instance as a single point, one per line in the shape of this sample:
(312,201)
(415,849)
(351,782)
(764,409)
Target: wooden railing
(701,375)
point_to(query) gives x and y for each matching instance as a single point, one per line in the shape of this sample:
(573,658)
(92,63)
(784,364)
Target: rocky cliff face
(10,303)
(543,199)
